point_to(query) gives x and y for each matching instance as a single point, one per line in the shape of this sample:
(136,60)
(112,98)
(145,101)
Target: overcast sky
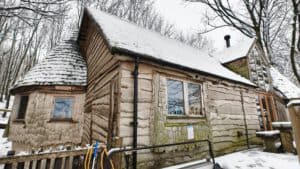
(187,16)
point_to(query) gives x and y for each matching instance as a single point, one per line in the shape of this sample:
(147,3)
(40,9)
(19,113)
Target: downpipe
(135,110)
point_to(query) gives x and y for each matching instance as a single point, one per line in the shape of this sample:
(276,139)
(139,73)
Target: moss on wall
(239,66)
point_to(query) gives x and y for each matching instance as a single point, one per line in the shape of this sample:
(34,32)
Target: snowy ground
(2,106)
(5,145)
(257,159)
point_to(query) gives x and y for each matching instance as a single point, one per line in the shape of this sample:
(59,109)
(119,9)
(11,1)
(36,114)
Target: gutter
(122,51)
(135,110)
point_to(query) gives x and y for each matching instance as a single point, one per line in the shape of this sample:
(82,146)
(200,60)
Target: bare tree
(262,19)
(295,41)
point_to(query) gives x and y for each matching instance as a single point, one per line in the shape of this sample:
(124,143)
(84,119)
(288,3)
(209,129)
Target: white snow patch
(284,85)
(124,35)
(277,144)
(294,102)
(268,133)
(4,120)
(5,145)
(282,124)
(257,159)
(232,53)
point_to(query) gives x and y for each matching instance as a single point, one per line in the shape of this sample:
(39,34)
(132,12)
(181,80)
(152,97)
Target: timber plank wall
(102,69)
(224,121)
(109,107)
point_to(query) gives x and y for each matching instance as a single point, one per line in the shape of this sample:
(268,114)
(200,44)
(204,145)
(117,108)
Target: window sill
(62,120)
(21,121)
(185,117)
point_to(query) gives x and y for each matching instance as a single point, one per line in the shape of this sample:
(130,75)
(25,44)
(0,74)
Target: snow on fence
(69,159)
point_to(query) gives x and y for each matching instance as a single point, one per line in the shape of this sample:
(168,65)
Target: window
(62,108)
(22,107)
(194,99)
(184,98)
(175,97)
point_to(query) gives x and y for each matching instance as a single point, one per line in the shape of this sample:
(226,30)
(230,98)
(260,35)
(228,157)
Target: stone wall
(259,69)
(37,130)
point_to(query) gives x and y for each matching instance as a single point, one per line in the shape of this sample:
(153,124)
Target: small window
(175,97)
(194,99)
(22,107)
(62,108)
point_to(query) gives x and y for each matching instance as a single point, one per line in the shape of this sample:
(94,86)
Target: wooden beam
(6,110)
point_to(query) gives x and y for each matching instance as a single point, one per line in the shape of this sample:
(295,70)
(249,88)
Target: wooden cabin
(275,90)
(134,87)
(178,93)
(49,100)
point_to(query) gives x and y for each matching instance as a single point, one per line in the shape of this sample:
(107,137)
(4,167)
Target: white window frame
(185,98)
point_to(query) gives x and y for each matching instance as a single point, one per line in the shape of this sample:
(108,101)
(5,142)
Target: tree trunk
(293,43)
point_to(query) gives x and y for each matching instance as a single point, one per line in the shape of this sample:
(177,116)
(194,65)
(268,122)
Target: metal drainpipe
(245,120)
(135,110)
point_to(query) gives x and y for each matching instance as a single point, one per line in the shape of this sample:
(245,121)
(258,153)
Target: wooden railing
(6,110)
(71,159)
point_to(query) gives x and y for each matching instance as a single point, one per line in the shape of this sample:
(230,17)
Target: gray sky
(187,16)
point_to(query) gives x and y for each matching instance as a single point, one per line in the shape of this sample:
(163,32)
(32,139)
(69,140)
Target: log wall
(102,87)
(109,107)
(223,124)
(227,119)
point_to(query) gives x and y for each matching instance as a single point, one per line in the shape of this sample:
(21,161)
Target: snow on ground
(257,159)
(4,120)
(5,145)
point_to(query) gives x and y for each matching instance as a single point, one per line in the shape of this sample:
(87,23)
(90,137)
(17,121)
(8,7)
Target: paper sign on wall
(190,132)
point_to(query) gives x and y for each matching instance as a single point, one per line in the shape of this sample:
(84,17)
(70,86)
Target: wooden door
(267,111)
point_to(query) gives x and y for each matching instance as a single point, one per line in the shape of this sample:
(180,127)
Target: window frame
(201,98)
(52,118)
(17,117)
(185,98)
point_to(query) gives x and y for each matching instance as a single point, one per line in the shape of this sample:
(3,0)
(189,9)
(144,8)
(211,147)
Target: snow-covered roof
(284,85)
(127,37)
(64,65)
(235,52)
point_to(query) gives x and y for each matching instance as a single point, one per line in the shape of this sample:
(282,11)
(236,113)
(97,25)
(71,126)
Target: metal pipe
(211,152)
(245,120)
(126,149)
(135,110)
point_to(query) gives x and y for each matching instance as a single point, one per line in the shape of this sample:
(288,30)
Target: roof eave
(129,53)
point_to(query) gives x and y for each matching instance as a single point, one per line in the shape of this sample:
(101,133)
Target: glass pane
(194,96)
(22,107)
(175,97)
(63,108)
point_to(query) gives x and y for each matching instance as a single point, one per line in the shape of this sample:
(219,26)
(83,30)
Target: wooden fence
(71,159)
